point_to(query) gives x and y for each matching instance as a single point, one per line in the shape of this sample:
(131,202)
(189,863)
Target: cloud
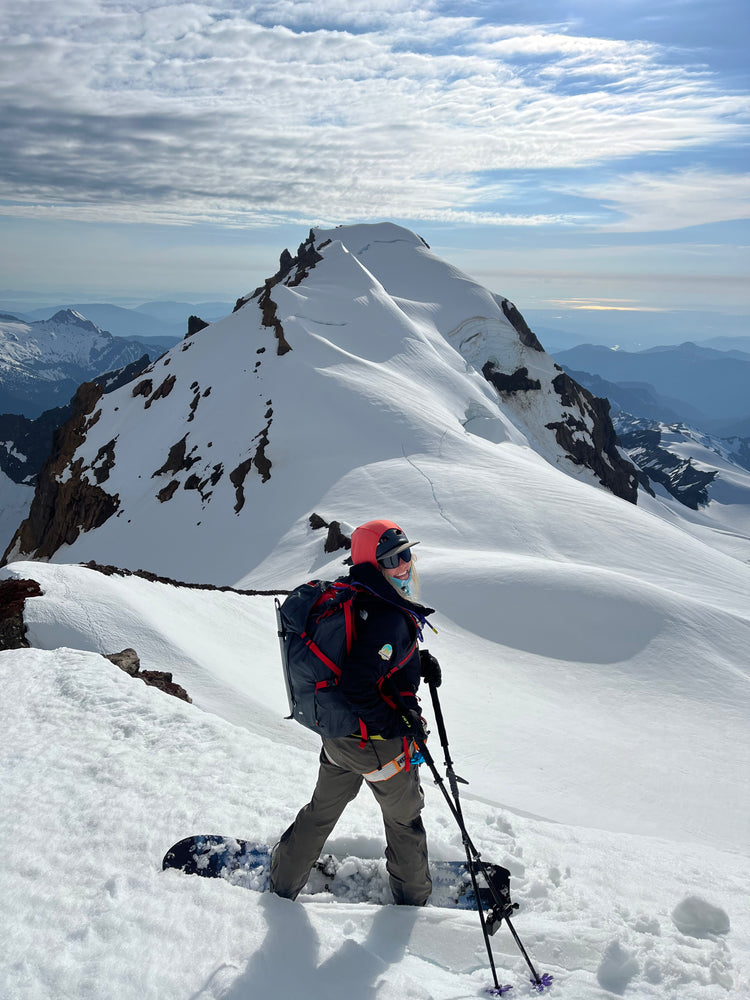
(675,200)
(309,111)
(605,305)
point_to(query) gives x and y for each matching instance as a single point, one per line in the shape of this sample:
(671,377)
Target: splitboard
(350,879)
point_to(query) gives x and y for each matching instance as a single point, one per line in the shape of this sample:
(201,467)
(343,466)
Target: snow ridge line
(154,578)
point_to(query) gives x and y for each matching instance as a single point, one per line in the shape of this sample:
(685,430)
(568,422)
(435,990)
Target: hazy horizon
(557,328)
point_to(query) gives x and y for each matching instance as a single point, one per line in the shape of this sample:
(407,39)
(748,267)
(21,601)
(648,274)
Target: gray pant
(400,799)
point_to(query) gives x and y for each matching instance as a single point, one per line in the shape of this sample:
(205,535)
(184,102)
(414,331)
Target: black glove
(429,668)
(416,724)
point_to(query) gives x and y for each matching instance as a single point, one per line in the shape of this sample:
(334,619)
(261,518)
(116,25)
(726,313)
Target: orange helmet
(375,539)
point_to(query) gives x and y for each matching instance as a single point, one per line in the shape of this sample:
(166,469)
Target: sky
(573,156)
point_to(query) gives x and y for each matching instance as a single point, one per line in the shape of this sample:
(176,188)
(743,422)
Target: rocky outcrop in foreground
(129,661)
(13,595)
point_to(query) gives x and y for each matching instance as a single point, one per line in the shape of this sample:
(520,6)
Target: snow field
(101,774)
(559,659)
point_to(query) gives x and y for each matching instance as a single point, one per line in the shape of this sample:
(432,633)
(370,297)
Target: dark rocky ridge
(32,439)
(13,597)
(60,510)
(517,381)
(195,325)
(143,574)
(306,259)
(585,432)
(336,538)
(525,334)
(601,455)
(679,476)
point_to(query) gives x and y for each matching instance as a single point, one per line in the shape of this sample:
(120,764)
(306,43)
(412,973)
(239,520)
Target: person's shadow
(287,963)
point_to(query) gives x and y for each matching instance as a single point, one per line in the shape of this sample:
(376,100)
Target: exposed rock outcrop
(587,435)
(237,478)
(63,507)
(143,388)
(176,460)
(525,334)
(679,476)
(336,539)
(163,391)
(129,661)
(195,325)
(259,459)
(517,381)
(13,596)
(168,491)
(301,265)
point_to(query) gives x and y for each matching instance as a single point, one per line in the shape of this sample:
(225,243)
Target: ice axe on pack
(493,902)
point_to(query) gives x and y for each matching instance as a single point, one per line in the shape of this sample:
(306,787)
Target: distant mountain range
(701,386)
(637,398)
(665,436)
(634,330)
(43,362)
(692,467)
(165,321)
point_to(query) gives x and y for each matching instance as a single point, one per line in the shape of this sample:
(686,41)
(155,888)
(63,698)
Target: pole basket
(541,984)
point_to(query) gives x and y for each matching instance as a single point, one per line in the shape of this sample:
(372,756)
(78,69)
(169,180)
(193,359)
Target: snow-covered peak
(72,318)
(365,357)
(42,363)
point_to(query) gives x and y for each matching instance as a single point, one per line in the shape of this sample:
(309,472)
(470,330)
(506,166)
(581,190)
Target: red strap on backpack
(317,651)
(381,681)
(351,634)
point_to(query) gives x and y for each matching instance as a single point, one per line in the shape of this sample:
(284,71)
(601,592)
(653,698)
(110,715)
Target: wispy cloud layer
(696,196)
(257,113)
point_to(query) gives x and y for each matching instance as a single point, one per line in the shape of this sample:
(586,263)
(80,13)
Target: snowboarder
(384,658)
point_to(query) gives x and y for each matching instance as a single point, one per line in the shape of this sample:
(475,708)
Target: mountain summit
(42,363)
(366,356)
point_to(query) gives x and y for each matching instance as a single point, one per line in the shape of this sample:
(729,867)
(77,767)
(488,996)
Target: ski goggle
(391,562)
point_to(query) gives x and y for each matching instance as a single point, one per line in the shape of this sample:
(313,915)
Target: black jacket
(387,630)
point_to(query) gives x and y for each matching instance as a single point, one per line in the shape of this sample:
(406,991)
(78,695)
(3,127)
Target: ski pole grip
(413,720)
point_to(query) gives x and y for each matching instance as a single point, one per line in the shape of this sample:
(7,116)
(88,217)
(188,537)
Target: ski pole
(474,861)
(502,906)
(468,846)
